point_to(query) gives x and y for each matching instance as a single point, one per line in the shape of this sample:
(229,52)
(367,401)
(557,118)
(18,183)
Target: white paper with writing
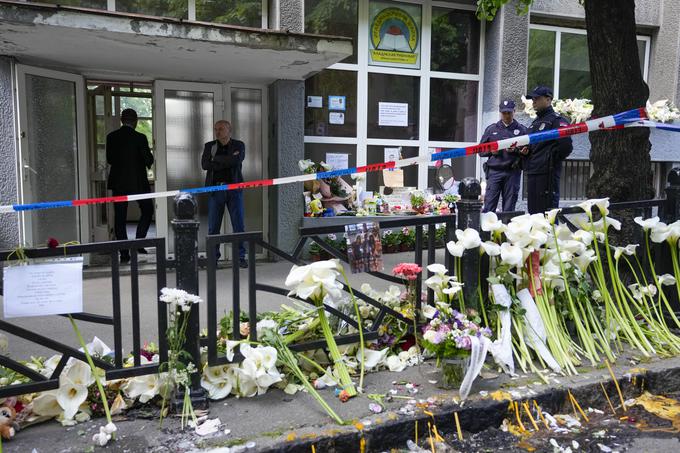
(392,114)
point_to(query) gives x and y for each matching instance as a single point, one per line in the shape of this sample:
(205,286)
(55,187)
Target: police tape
(631,118)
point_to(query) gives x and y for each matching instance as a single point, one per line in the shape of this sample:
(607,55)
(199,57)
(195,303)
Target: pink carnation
(409,271)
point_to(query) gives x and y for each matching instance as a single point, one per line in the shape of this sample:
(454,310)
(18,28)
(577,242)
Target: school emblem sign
(394,35)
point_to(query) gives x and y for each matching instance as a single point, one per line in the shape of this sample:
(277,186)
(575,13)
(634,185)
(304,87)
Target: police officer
(543,161)
(502,170)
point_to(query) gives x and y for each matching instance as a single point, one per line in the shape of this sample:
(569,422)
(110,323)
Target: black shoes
(243,263)
(124,258)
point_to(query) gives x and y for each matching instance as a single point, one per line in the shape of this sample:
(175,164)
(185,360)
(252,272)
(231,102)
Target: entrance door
(52,148)
(185,113)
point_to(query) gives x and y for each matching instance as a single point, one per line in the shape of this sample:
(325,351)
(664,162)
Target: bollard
(186,226)
(469,210)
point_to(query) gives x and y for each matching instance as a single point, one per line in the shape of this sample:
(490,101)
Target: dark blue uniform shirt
(537,162)
(504,159)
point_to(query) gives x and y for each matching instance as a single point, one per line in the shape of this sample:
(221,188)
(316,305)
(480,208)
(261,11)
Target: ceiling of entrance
(129,47)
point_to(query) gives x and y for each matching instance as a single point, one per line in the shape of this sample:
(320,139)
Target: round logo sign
(393,29)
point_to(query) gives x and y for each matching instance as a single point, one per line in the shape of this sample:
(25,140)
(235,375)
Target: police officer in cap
(502,170)
(543,161)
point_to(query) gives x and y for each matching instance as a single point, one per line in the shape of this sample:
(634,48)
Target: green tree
(620,159)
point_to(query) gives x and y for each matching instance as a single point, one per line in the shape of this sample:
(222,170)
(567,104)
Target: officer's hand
(495,152)
(524,151)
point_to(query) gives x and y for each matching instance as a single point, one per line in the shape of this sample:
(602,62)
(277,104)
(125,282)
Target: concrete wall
(290,15)
(286,147)
(9,226)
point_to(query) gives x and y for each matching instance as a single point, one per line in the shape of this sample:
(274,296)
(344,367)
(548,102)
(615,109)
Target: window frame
(579,31)
(363,69)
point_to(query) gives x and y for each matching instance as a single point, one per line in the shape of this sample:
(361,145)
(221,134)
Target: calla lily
(394,363)
(647,224)
(538,221)
(269,355)
(98,348)
(328,379)
(601,203)
(70,396)
(312,280)
(660,232)
(428,311)
(436,281)
(78,373)
(552,215)
(584,236)
(266,324)
(576,247)
(46,404)
(144,387)
(455,248)
(583,260)
(373,358)
(453,289)
(437,269)
(511,254)
(666,279)
(491,248)
(231,346)
(490,222)
(50,365)
(563,232)
(469,238)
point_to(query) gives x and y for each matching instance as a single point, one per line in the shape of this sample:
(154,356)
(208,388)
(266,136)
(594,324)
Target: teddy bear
(7,416)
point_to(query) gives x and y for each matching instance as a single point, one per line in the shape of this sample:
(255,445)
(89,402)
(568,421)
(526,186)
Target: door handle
(28,167)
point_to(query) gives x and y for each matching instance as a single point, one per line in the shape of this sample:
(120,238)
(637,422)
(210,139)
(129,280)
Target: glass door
(53,161)
(186,113)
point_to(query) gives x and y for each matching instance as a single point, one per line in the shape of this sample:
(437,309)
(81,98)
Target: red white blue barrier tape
(631,118)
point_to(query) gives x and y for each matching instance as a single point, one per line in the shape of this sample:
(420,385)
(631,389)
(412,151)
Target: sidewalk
(284,423)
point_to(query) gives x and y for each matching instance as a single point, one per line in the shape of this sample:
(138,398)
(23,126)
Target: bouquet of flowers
(663,111)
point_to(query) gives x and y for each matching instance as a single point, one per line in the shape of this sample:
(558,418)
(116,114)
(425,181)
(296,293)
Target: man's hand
(524,151)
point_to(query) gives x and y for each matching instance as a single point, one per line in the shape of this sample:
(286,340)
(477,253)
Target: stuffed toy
(7,415)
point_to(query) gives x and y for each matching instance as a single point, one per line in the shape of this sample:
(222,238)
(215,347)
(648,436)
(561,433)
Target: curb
(475,416)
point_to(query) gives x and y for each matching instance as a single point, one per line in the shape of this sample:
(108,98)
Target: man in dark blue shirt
(543,160)
(222,158)
(502,170)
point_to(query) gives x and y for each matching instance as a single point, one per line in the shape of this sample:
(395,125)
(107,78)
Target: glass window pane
(247,13)
(453,110)
(177,9)
(387,88)
(376,154)
(642,51)
(574,67)
(140,105)
(317,152)
(541,69)
(335,120)
(455,41)
(333,17)
(96,4)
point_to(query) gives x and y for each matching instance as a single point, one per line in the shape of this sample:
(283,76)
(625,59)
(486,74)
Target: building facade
(349,81)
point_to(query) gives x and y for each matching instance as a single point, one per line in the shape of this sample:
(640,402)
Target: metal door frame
(81,170)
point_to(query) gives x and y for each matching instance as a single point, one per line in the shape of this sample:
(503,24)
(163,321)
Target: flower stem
(360,323)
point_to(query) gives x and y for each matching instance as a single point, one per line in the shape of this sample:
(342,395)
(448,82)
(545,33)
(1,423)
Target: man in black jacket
(543,161)
(222,159)
(503,173)
(128,154)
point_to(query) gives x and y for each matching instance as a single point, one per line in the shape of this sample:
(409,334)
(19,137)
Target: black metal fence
(186,265)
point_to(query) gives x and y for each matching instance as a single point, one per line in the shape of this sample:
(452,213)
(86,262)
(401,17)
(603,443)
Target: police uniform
(543,163)
(503,173)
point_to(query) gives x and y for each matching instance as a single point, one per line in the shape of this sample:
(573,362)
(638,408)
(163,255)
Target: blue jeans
(501,182)
(233,200)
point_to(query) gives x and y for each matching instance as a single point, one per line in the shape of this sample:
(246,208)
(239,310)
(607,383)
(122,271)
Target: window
(95,4)
(326,113)
(453,110)
(376,154)
(455,41)
(333,17)
(566,70)
(247,13)
(177,9)
(398,91)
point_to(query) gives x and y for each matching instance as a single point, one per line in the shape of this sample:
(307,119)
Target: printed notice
(337,161)
(51,288)
(392,114)
(315,102)
(336,117)
(337,103)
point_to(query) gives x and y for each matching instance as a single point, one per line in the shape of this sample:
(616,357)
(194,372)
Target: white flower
(511,254)
(469,238)
(430,336)
(601,203)
(97,348)
(552,215)
(576,247)
(373,358)
(77,373)
(666,279)
(305,164)
(70,396)
(436,281)
(50,365)
(428,311)
(144,387)
(110,428)
(453,289)
(663,111)
(312,280)
(394,363)
(455,248)
(660,232)
(529,107)
(490,222)
(102,437)
(646,224)
(46,404)
(491,248)
(583,236)
(177,298)
(266,324)
(583,260)
(437,269)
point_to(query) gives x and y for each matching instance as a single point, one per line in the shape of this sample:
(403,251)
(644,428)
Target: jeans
(501,182)
(233,200)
